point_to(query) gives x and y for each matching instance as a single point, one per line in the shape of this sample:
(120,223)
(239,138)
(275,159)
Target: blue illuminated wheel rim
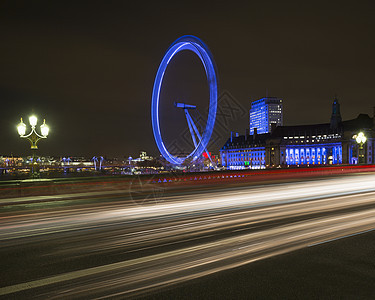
(192,43)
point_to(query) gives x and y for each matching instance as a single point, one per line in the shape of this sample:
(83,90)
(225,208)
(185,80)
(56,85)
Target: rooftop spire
(336,114)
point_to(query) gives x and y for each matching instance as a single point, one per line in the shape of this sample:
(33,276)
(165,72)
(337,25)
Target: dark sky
(88,66)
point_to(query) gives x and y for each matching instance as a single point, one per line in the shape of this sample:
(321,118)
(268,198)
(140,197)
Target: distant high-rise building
(265,112)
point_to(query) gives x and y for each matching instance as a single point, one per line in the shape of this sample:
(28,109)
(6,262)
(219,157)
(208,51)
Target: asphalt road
(111,245)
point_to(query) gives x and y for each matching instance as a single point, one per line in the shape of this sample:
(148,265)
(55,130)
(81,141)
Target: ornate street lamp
(33,137)
(360,138)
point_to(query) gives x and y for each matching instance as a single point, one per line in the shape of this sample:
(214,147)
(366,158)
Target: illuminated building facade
(242,152)
(319,144)
(265,113)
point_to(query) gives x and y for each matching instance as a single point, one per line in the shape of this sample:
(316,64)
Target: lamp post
(33,137)
(360,138)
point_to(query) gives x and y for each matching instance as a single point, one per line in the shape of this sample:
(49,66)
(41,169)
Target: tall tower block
(265,112)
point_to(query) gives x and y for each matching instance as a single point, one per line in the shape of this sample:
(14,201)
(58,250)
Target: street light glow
(44,129)
(33,137)
(21,128)
(361,139)
(33,120)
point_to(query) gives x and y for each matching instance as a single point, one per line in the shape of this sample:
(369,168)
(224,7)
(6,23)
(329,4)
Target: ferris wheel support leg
(198,135)
(190,127)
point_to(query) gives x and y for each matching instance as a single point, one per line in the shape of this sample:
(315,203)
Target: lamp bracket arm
(33,131)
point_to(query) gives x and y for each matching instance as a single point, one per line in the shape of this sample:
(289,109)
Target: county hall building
(275,145)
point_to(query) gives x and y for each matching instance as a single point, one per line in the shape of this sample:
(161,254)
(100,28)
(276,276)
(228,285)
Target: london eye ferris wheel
(199,139)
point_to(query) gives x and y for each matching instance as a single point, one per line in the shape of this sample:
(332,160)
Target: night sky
(88,67)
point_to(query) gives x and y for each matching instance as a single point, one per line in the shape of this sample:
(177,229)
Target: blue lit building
(265,113)
(318,144)
(243,152)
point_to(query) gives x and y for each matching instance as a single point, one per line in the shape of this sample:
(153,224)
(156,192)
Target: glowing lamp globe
(361,138)
(21,128)
(33,120)
(44,129)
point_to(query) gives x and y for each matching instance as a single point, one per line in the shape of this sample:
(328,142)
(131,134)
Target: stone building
(318,144)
